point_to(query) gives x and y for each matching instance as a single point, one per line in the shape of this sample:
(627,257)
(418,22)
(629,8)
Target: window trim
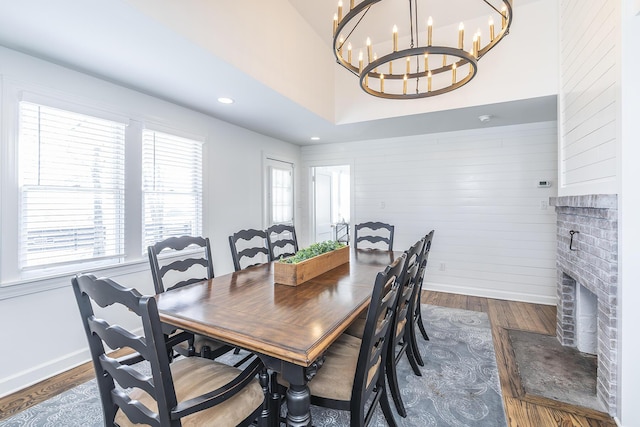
(267,162)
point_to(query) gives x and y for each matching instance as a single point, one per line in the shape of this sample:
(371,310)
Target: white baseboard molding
(27,378)
(490,293)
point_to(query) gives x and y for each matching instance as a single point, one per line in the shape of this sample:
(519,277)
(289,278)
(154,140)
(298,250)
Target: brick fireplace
(587,256)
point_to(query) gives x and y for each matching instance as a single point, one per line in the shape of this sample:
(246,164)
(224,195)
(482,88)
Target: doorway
(331,202)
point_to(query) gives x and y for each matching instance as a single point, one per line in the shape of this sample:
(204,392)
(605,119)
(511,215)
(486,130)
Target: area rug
(459,384)
(553,371)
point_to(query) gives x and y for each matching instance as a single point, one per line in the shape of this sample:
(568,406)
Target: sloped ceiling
(121,41)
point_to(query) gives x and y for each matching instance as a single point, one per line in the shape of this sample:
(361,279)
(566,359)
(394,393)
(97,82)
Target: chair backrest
(422,268)
(406,292)
(150,347)
(282,241)
(188,261)
(248,248)
(377,235)
(369,377)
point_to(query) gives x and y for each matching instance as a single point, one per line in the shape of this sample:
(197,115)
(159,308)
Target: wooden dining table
(288,327)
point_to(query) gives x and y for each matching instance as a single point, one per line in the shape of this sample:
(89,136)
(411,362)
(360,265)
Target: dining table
(288,327)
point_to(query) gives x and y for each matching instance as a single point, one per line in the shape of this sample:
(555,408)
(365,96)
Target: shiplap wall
(588,96)
(477,189)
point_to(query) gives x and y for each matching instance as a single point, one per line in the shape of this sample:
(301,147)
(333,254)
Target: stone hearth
(591,261)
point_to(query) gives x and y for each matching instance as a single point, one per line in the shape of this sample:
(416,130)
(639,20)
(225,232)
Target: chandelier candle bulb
(360,62)
(375,58)
(335,23)
(475,45)
(461,36)
(352,4)
(395,38)
(369,49)
(430,31)
(382,83)
(390,67)
(492,31)
(340,11)
(404,85)
(453,74)
(429,81)
(479,43)
(426,62)
(444,60)
(408,67)
(349,53)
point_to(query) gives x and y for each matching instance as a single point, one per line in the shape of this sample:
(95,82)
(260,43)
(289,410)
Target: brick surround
(593,263)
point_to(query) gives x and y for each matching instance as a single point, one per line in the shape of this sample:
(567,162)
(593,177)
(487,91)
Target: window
(280,192)
(172,186)
(71,175)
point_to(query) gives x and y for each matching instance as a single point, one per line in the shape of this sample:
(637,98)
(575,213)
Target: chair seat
(335,379)
(194,376)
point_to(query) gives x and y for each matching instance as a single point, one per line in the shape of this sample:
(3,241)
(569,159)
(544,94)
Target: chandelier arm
(494,8)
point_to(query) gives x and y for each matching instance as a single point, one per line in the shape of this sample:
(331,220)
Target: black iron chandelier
(424,68)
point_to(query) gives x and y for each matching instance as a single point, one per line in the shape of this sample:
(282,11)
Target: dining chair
(352,377)
(399,342)
(417,312)
(191,391)
(374,235)
(248,248)
(282,241)
(177,262)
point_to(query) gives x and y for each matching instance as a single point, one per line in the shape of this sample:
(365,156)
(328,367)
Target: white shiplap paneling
(477,189)
(588,96)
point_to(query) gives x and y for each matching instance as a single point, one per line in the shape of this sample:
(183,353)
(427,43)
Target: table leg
(298,406)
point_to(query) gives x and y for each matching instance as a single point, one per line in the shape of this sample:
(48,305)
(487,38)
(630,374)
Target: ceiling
(112,40)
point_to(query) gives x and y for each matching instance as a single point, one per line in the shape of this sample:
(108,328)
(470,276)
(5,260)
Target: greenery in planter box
(314,250)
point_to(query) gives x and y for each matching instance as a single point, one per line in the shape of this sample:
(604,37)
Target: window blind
(71,170)
(172,186)
(281,195)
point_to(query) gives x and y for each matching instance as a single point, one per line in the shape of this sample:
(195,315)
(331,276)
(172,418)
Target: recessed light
(224,100)
(315,138)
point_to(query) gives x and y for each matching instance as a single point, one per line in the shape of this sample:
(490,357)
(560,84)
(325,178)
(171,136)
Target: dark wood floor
(522,410)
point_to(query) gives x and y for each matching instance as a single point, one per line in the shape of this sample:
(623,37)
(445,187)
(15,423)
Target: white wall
(41,330)
(629,369)
(477,189)
(588,99)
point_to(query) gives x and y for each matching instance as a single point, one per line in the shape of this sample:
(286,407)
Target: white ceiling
(112,40)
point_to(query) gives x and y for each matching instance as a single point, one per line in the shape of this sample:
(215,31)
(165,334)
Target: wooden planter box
(295,274)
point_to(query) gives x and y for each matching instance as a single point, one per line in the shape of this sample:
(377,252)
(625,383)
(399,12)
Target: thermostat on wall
(544,184)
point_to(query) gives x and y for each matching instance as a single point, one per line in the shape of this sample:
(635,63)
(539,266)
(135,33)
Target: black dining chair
(248,248)
(177,262)
(373,235)
(352,377)
(191,391)
(282,241)
(417,312)
(399,342)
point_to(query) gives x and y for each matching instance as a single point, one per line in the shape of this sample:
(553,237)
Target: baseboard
(27,378)
(490,293)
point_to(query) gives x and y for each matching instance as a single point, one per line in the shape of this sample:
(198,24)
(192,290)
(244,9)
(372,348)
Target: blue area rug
(459,384)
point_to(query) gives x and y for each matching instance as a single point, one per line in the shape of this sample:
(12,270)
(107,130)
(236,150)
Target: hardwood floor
(522,410)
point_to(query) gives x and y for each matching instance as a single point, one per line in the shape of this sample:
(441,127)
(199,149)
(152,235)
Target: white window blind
(72,187)
(282,194)
(172,186)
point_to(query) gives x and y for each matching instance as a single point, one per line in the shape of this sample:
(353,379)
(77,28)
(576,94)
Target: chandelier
(428,64)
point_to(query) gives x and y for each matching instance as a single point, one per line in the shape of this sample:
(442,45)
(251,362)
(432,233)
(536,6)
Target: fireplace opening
(586,321)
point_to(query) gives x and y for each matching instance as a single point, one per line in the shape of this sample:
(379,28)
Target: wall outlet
(544,205)
(443,266)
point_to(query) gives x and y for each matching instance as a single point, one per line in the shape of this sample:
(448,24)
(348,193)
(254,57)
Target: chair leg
(386,408)
(411,355)
(421,326)
(414,344)
(392,376)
